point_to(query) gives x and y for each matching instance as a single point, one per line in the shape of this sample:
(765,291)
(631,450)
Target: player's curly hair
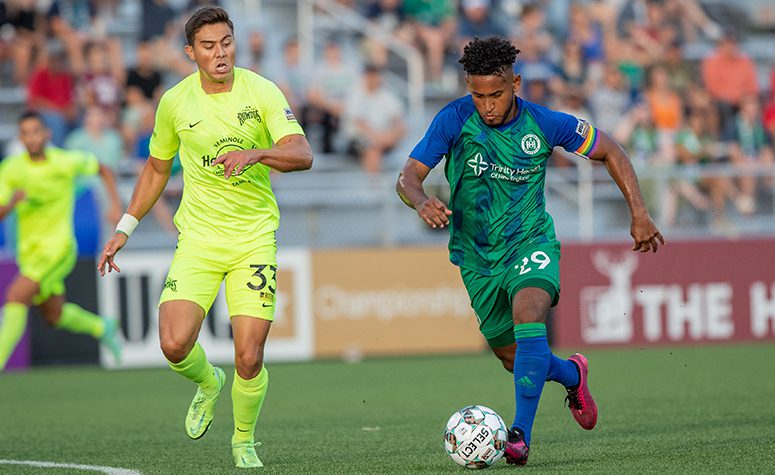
(488,56)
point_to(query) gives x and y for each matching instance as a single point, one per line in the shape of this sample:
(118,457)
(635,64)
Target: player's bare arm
(291,153)
(410,190)
(644,232)
(149,187)
(109,182)
(15,199)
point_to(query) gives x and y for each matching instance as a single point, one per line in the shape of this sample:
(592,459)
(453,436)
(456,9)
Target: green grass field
(698,410)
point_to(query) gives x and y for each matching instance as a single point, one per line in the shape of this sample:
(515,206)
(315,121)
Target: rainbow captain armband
(590,134)
(127,224)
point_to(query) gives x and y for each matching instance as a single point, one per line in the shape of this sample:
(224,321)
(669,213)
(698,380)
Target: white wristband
(127,224)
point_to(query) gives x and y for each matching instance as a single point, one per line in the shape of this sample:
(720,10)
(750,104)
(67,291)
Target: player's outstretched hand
(434,212)
(235,161)
(109,253)
(645,234)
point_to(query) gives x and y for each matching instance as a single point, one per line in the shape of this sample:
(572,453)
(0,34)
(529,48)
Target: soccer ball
(475,437)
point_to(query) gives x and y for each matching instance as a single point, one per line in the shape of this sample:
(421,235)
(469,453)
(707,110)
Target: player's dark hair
(205,16)
(31,114)
(489,56)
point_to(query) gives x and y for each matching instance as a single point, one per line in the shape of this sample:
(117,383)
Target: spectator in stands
(679,71)
(433,22)
(327,94)
(137,120)
(611,100)
(51,92)
(768,116)
(290,77)
(26,30)
(637,132)
(143,75)
(537,91)
(693,20)
(96,136)
(729,75)
(750,151)
(697,98)
(374,120)
(536,67)
(157,20)
(630,62)
(256,51)
(572,67)
(74,22)
(531,23)
(696,146)
(477,20)
(587,33)
(388,15)
(161,29)
(103,80)
(666,106)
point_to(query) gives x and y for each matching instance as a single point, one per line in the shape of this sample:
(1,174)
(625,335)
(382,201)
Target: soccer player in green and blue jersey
(230,126)
(496,147)
(39,184)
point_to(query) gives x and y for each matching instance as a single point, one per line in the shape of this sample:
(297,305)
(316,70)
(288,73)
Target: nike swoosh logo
(191,126)
(246,430)
(266,304)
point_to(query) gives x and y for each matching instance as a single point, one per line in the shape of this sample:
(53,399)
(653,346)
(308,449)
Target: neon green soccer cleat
(245,455)
(111,339)
(200,413)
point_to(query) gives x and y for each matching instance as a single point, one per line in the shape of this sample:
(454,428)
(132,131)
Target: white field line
(96,468)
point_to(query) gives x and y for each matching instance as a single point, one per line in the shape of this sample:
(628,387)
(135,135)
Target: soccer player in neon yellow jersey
(231,126)
(39,184)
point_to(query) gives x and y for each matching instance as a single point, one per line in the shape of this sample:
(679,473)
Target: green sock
(11,329)
(196,368)
(247,396)
(78,320)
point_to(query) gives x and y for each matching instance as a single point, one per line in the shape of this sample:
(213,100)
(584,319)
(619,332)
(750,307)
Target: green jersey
(253,115)
(45,215)
(496,176)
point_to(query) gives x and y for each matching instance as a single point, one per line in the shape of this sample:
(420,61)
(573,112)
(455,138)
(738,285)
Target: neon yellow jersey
(253,115)
(45,215)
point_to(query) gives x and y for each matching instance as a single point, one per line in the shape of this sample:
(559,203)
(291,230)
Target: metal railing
(345,207)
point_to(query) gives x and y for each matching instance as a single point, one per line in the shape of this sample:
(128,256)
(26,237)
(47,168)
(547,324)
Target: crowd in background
(621,64)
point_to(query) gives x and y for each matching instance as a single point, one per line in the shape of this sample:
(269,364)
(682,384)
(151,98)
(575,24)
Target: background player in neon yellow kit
(40,185)
(230,126)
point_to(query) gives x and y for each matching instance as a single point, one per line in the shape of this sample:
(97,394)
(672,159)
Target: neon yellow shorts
(49,267)
(250,272)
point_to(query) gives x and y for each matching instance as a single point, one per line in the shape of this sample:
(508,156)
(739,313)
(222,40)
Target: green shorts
(492,296)
(249,269)
(49,267)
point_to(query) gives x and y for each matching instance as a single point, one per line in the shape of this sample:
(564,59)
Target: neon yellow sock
(247,396)
(78,320)
(196,368)
(11,329)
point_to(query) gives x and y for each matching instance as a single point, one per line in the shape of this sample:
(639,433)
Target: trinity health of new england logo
(478,164)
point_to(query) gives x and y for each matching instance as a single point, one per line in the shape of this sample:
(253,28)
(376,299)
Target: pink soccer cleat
(580,402)
(516,448)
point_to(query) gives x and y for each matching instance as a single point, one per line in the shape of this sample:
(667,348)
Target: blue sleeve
(564,130)
(439,137)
